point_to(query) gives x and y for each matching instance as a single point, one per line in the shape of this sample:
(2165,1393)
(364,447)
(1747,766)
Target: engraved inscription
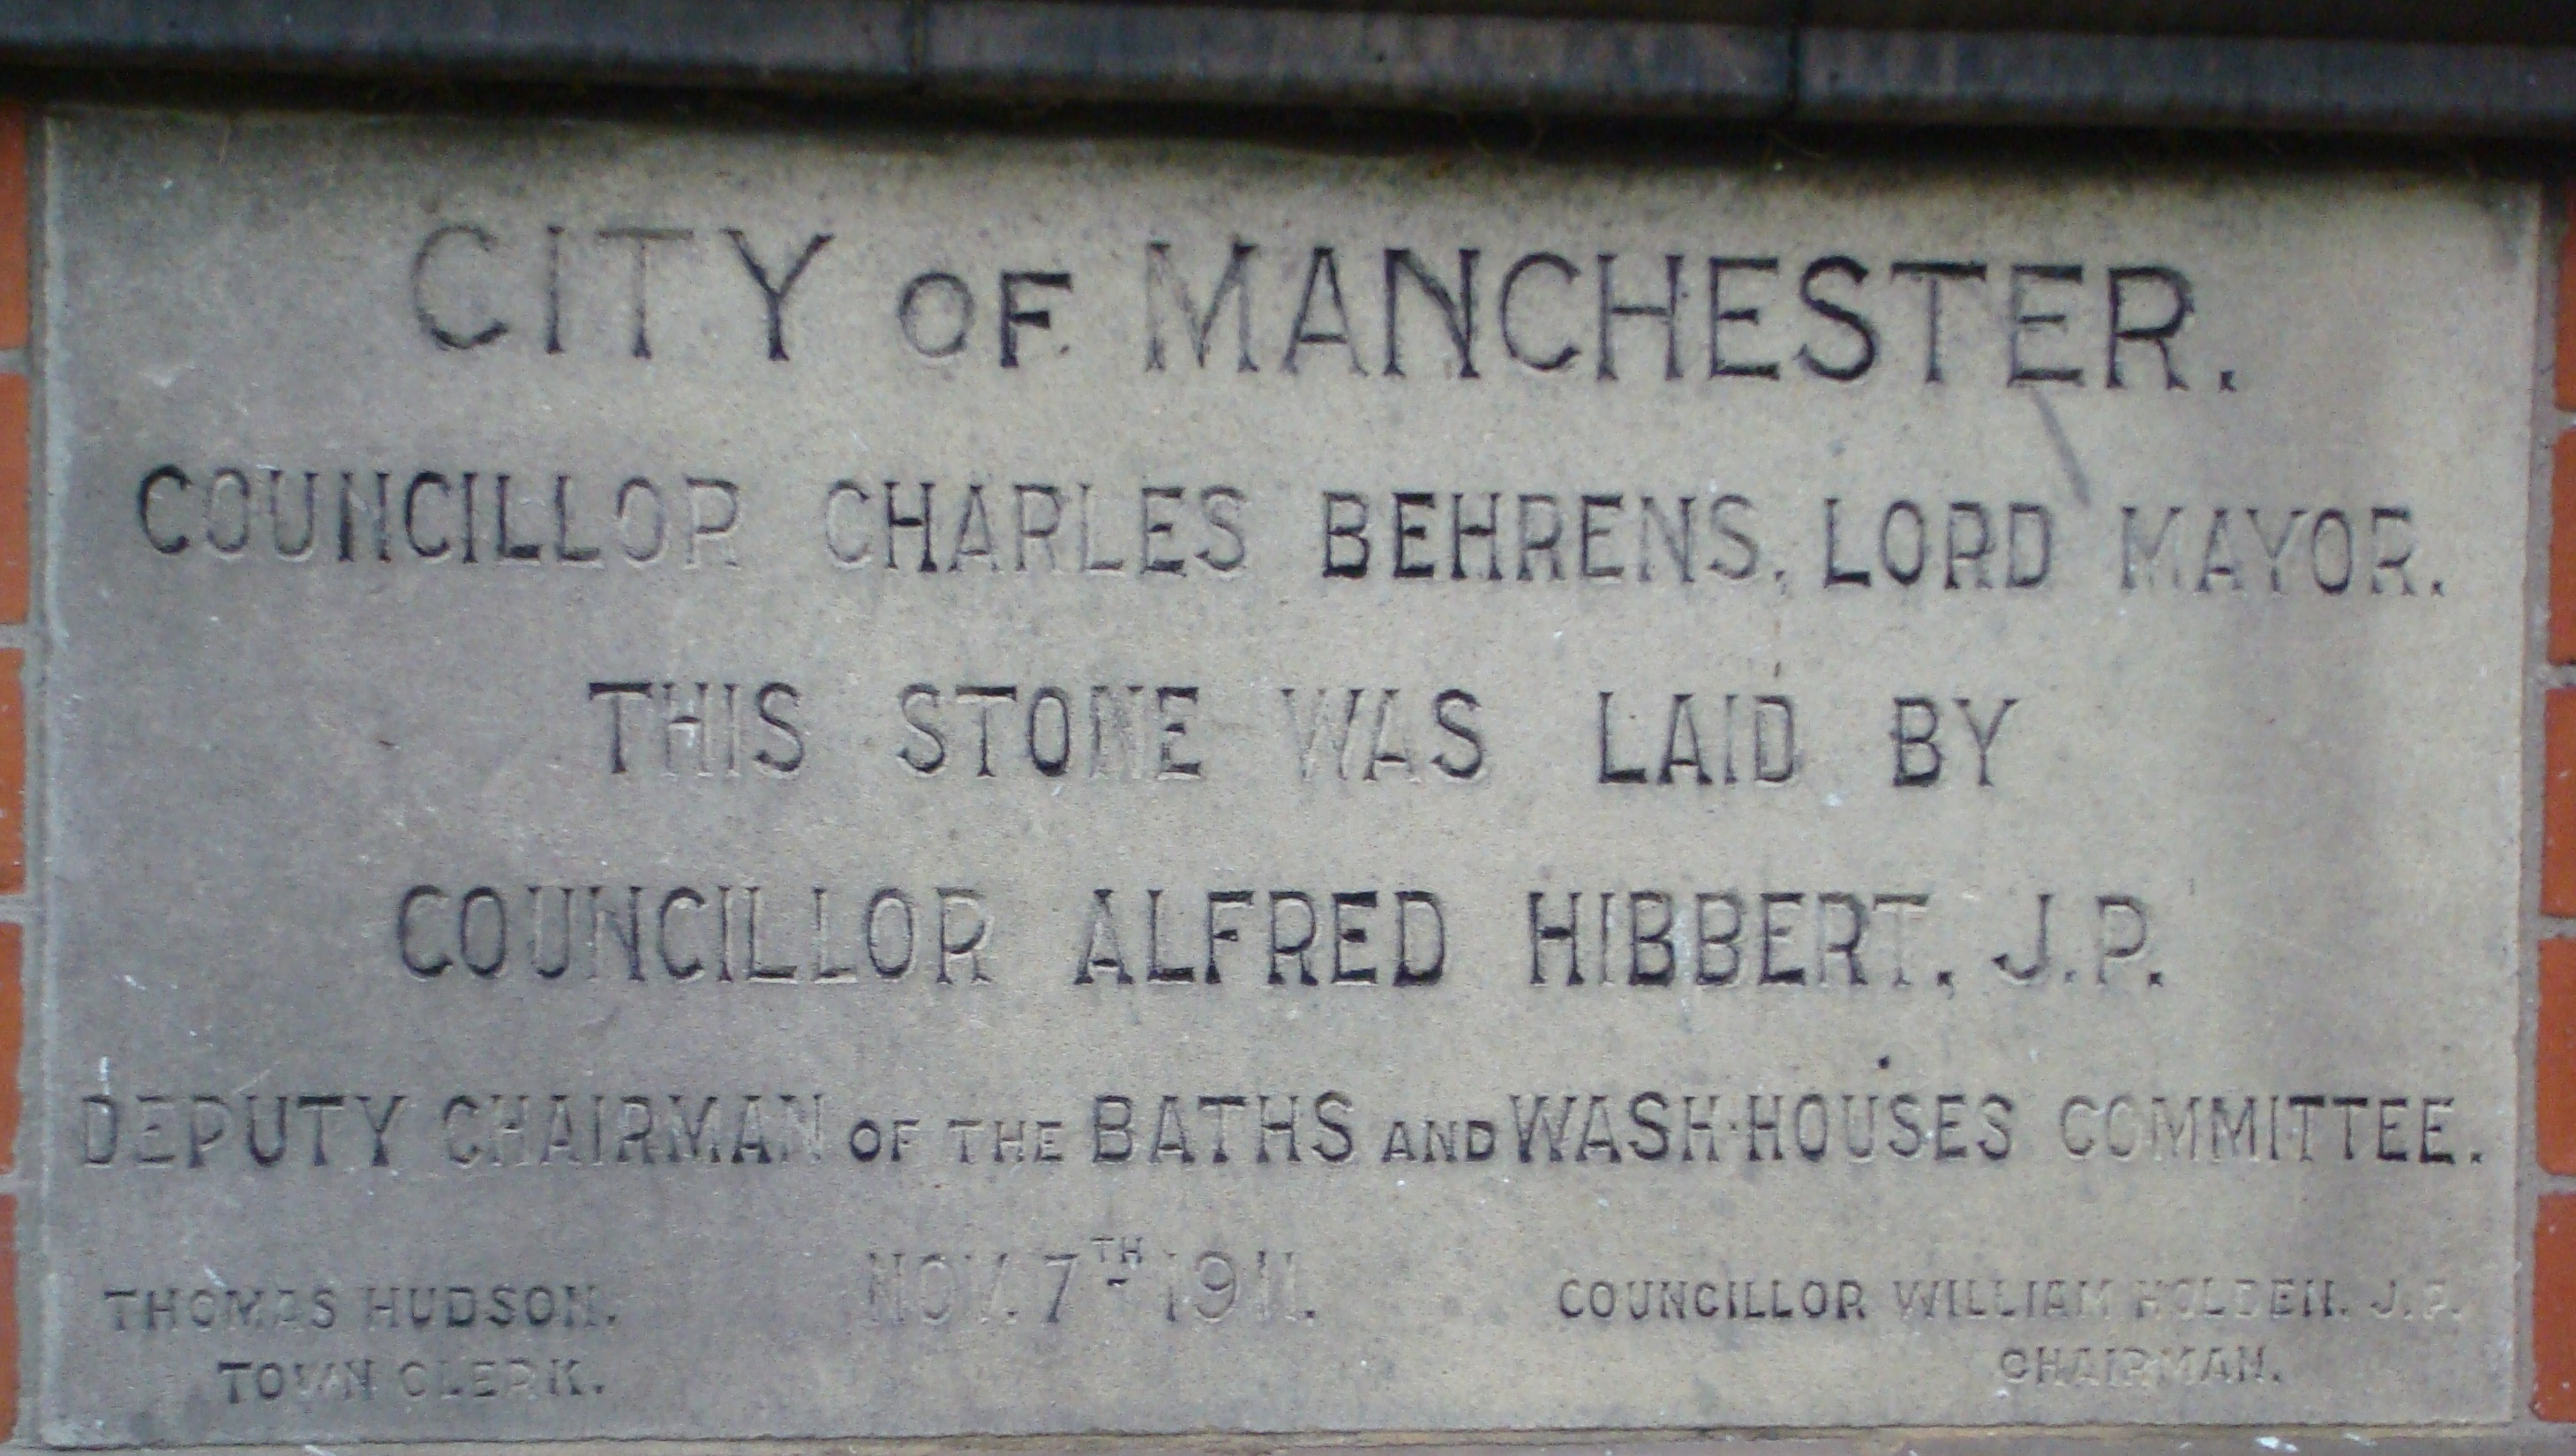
(813,786)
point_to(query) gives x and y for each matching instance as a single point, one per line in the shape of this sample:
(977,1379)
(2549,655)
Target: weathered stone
(1880,893)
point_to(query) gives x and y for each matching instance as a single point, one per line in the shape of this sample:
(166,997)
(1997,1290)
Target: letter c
(2118,1105)
(170,545)
(465,1152)
(2066,1125)
(429,322)
(1503,311)
(1572,1287)
(403,927)
(684,896)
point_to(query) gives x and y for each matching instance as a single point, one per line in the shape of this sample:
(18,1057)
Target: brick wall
(2553,1264)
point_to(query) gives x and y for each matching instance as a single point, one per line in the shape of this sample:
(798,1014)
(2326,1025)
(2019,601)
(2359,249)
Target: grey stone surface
(2239,1149)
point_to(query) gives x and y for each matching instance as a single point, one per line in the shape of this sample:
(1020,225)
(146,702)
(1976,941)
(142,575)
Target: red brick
(2556,1071)
(13,774)
(2557,804)
(13,227)
(14,469)
(2553,1309)
(2562,549)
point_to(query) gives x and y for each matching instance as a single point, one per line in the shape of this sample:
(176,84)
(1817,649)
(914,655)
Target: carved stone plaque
(719,785)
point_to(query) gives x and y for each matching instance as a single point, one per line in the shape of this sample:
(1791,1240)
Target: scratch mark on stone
(2074,468)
